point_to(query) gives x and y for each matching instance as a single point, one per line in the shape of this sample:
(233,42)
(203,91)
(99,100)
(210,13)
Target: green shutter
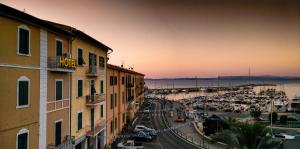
(80,88)
(79,121)
(101,86)
(79,57)
(101,110)
(111,101)
(22,141)
(23,41)
(58,90)
(23,92)
(59,50)
(116,99)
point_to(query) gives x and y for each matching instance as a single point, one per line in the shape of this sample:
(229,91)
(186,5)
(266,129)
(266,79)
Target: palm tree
(246,136)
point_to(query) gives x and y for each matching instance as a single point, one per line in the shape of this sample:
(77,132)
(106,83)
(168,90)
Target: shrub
(274,117)
(255,113)
(283,119)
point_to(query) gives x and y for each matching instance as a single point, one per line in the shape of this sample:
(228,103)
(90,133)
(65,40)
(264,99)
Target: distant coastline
(244,78)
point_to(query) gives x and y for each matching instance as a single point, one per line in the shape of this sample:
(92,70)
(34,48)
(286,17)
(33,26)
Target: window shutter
(111,101)
(79,121)
(23,41)
(80,88)
(59,90)
(59,50)
(101,86)
(23,92)
(58,133)
(116,99)
(101,110)
(22,141)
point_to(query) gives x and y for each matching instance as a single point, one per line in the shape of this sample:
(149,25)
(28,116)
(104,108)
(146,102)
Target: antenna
(122,63)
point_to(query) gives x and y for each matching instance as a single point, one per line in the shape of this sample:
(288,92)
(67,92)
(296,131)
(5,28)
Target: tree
(247,136)
(255,113)
(283,119)
(214,124)
(274,117)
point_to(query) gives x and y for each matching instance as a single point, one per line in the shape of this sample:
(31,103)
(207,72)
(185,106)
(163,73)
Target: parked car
(130,144)
(146,110)
(142,128)
(292,118)
(146,130)
(141,136)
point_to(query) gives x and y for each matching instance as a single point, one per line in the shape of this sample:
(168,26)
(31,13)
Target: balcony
(94,100)
(61,64)
(130,85)
(97,128)
(130,98)
(68,143)
(92,71)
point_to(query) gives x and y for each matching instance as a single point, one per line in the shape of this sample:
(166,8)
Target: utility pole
(272,103)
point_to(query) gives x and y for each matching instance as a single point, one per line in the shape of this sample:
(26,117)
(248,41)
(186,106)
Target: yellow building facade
(29,108)
(89,94)
(56,86)
(125,90)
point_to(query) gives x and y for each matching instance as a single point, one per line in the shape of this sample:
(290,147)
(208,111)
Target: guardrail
(190,139)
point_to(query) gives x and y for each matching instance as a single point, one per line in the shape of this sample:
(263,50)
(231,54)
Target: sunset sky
(187,38)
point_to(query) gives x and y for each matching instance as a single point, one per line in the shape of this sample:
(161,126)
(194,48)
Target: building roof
(80,34)
(57,28)
(29,19)
(110,66)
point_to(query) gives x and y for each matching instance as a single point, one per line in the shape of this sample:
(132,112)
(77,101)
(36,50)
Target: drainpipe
(70,91)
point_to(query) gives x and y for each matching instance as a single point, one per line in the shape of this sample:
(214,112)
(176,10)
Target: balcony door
(58,133)
(92,87)
(92,118)
(92,59)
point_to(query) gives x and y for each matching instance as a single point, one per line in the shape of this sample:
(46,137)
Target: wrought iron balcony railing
(93,100)
(98,127)
(92,71)
(61,64)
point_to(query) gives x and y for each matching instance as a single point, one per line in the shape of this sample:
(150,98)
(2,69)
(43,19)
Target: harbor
(197,103)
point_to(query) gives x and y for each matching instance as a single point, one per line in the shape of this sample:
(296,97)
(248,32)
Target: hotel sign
(67,63)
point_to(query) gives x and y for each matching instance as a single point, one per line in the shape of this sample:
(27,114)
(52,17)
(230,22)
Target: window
(101,111)
(79,88)
(101,87)
(23,139)
(80,59)
(111,101)
(111,126)
(115,80)
(58,90)
(123,97)
(111,80)
(116,123)
(101,62)
(116,100)
(58,133)
(79,121)
(122,80)
(123,118)
(23,91)
(59,47)
(23,40)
